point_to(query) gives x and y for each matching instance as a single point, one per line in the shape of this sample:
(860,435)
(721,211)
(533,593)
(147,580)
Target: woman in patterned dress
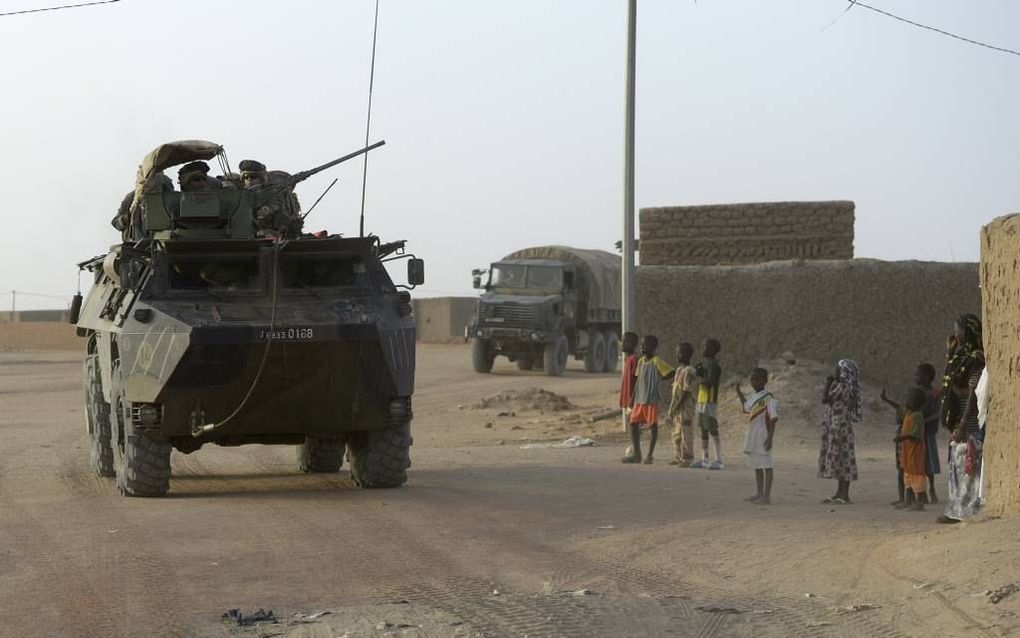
(841,408)
(965,360)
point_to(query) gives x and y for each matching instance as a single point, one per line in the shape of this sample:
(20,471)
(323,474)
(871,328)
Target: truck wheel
(525,364)
(97,415)
(380,458)
(612,351)
(555,357)
(595,356)
(141,463)
(481,357)
(321,455)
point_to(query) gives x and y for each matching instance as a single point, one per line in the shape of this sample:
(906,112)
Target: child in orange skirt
(912,451)
(651,371)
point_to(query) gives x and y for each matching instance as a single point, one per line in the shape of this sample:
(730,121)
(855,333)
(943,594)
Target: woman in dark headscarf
(841,408)
(965,359)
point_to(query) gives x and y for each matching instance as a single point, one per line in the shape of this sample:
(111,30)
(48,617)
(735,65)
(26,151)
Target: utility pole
(628,175)
(628,181)
(14,295)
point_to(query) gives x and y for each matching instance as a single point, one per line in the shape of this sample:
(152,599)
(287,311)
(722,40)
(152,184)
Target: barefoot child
(710,373)
(761,409)
(912,453)
(651,371)
(630,343)
(924,376)
(681,408)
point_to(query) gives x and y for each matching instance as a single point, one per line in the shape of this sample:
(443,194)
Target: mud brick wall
(746,233)
(888,316)
(1000,283)
(443,319)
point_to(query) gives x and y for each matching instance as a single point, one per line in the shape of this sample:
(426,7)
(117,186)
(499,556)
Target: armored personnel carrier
(200,328)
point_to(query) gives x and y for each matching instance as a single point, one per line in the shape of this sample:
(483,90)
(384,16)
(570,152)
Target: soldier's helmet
(253,173)
(193,175)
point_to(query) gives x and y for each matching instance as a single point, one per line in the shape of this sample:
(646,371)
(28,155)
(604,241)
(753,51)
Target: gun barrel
(303,175)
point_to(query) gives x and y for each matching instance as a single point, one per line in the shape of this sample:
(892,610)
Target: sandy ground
(487,539)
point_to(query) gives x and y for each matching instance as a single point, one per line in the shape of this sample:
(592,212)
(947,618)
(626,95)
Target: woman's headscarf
(960,367)
(850,378)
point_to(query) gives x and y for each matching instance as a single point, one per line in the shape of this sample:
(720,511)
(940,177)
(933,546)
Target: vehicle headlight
(147,414)
(535,336)
(479,333)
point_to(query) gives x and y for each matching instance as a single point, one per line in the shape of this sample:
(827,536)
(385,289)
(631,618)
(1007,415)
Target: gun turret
(303,175)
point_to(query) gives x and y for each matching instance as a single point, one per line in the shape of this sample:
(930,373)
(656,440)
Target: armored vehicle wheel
(97,415)
(141,463)
(555,357)
(380,458)
(482,357)
(612,351)
(525,364)
(321,455)
(595,357)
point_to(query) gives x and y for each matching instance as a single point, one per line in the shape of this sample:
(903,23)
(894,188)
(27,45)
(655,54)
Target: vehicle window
(222,273)
(508,276)
(317,271)
(545,277)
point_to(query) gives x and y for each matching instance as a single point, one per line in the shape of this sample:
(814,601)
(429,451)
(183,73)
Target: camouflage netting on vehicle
(598,272)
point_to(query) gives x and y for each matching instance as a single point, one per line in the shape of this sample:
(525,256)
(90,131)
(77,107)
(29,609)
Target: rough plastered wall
(443,319)
(746,233)
(1000,283)
(889,316)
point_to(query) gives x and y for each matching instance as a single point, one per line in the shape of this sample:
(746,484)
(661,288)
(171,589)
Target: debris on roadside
(852,609)
(1003,592)
(719,610)
(247,620)
(312,617)
(532,399)
(573,442)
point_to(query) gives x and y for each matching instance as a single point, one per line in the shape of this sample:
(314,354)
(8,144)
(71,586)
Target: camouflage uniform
(281,214)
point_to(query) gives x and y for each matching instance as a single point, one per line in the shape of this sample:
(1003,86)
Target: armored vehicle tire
(97,413)
(612,351)
(555,357)
(380,458)
(321,455)
(525,364)
(141,463)
(481,357)
(595,356)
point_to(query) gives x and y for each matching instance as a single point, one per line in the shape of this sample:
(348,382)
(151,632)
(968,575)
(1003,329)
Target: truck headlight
(479,333)
(535,336)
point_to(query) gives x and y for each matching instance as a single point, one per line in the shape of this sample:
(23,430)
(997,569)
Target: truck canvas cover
(598,273)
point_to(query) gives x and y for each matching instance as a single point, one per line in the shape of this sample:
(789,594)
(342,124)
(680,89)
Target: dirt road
(487,539)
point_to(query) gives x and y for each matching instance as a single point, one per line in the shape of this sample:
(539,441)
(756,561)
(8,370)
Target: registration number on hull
(288,334)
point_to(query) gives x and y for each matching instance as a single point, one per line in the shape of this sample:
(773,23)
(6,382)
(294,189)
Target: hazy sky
(504,120)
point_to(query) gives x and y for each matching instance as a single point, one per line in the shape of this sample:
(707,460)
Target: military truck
(198,329)
(545,304)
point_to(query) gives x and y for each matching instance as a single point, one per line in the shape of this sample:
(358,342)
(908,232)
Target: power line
(857,3)
(58,8)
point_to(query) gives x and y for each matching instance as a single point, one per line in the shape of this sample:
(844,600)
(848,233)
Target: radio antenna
(368,123)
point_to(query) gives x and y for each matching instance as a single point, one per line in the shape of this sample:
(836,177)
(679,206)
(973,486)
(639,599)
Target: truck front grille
(511,314)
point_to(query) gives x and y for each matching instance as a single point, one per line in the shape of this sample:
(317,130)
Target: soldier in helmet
(280,215)
(194,176)
(253,173)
